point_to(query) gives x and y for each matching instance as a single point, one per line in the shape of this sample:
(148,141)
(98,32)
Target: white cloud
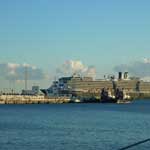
(147,60)
(13,65)
(14,71)
(12,68)
(70,67)
(138,68)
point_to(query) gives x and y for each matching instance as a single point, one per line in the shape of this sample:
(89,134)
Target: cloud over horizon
(14,71)
(70,67)
(138,68)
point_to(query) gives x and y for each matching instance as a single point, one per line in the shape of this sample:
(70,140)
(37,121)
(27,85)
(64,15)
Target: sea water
(74,126)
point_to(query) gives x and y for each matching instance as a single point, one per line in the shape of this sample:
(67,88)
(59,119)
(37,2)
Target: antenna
(26,78)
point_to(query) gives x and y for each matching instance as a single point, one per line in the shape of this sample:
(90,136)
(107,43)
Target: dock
(26,99)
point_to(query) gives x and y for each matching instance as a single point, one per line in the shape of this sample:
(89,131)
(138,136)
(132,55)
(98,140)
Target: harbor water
(74,126)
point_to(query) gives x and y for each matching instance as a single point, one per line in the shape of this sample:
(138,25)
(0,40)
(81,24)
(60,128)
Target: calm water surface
(74,126)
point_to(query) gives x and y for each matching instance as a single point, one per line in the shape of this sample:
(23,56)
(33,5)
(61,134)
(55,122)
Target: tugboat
(122,98)
(106,97)
(119,98)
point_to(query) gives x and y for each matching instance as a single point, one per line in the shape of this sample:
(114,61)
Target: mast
(26,78)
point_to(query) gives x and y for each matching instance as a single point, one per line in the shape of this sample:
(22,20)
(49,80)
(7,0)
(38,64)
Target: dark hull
(108,101)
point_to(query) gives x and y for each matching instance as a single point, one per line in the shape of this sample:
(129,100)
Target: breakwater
(139,95)
(25,99)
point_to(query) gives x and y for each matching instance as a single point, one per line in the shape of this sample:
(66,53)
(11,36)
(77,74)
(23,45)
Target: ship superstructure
(86,86)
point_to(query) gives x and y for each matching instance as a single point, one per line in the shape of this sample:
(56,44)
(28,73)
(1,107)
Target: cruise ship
(77,86)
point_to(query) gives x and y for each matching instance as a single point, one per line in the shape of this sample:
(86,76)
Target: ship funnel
(120,75)
(126,75)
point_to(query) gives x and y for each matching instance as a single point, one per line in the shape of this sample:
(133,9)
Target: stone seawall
(21,99)
(139,95)
(24,99)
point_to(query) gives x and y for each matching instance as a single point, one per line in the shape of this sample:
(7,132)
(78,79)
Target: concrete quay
(25,99)
(139,95)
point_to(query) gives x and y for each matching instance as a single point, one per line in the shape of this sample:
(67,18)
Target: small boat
(77,101)
(123,101)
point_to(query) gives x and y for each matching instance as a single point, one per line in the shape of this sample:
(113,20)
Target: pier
(28,99)
(25,99)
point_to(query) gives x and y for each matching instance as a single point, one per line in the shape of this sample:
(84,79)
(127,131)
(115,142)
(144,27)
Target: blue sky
(102,33)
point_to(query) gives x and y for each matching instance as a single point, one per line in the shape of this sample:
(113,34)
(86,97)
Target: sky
(48,33)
